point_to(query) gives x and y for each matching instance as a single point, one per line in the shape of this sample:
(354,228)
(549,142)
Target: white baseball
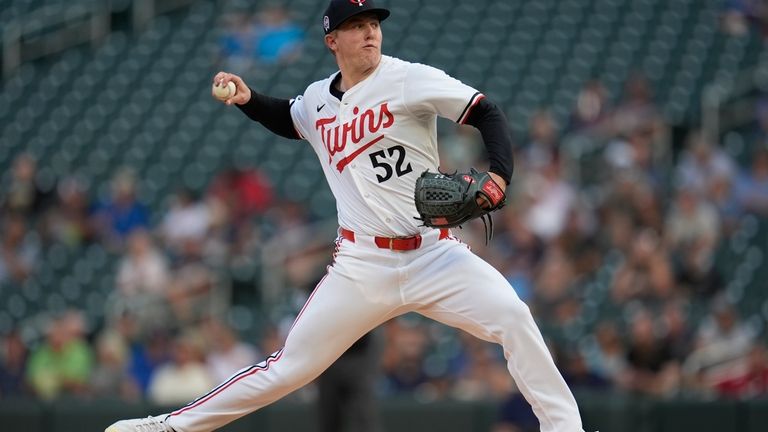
(224,92)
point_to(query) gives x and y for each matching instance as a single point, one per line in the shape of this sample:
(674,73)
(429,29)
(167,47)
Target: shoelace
(152,425)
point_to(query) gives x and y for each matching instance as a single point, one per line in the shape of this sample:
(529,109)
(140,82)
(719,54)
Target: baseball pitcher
(372,125)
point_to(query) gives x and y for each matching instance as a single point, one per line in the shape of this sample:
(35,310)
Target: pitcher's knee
(288,373)
(300,367)
(515,310)
(506,319)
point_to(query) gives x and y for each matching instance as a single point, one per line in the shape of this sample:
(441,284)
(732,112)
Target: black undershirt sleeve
(493,126)
(273,113)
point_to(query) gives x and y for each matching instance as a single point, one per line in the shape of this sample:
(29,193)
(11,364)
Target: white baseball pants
(366,286)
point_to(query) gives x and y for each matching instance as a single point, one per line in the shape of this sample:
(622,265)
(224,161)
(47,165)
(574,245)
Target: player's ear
(330,41)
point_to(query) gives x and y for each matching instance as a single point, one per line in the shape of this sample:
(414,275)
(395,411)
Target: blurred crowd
(625,259)
(161,317)
(252,41)
(739,15)
(615,267)
(611,235)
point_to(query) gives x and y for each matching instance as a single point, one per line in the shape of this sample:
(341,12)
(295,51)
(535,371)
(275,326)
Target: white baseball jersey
(375,142)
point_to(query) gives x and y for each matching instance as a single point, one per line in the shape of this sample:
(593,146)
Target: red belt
(395,243)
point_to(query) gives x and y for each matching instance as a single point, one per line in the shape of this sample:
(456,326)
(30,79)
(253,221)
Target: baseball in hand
(224,92)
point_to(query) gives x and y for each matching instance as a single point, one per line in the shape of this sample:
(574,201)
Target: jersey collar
(337,76)
(338,94)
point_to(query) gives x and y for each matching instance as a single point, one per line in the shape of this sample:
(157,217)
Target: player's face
(358,41)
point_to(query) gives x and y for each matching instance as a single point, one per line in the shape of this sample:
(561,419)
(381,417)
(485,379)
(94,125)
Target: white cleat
(149,424)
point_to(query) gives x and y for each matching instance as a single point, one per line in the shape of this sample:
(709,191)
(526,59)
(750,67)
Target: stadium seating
(142,100)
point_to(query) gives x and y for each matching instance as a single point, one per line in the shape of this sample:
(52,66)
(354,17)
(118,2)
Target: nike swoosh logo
(319,107)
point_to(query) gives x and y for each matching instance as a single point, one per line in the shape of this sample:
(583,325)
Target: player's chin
(371,55)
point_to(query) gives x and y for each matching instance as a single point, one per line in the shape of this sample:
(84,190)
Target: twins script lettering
(336,138)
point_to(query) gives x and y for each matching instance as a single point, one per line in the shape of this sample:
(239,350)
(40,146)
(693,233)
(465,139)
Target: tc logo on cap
(326,23)
(357,2)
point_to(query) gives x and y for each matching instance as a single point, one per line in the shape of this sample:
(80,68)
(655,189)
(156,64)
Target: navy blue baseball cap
(339,11)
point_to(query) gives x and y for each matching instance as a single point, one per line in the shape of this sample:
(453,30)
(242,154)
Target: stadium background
(144,224)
